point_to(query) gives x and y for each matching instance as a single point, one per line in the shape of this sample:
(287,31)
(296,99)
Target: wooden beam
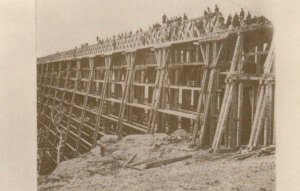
(166,161)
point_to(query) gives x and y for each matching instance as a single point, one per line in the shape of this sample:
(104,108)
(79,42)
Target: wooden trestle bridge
(216,82)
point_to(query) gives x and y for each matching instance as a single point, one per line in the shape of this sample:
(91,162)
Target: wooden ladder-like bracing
(107,76)
(63,96)
(161,55)
(229,89)
(87,90)
(130,60)
(43,94)
(71,107)
(60,102)
(264,108)
(47,105)
(207,86)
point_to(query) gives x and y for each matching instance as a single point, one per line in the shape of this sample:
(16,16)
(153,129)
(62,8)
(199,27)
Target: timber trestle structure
(217,83)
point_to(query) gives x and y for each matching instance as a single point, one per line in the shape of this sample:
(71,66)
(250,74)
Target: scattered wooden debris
(143,162)
(129,160)
(75,177)
(132,167)
(126,164)
(186,149)
(228,150)
(244,154)
(166,161)
(267,150)
(102,161)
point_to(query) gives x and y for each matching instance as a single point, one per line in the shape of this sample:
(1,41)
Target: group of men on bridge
(179,19)
(237,20)
(175,22)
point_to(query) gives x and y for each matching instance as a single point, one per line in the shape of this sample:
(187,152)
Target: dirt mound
(204,171)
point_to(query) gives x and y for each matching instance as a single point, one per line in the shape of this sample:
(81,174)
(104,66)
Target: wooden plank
(191,115)
(166,161)
(129,160)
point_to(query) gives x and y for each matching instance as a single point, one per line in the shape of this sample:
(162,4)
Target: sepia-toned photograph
(155,95)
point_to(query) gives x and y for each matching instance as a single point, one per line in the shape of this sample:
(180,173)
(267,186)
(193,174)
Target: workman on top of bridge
(248,18)
(221,20)
(262,20)
(235,21)
(185,17)
(229,21)
(208,11)
(216,8)
(242,14)
(164,18)
(179,20)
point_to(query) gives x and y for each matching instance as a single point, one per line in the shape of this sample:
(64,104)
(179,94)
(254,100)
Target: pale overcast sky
(64,24)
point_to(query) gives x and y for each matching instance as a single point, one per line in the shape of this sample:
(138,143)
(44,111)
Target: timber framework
(214,81)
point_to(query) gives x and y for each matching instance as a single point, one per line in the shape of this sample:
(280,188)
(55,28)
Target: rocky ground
(203,171)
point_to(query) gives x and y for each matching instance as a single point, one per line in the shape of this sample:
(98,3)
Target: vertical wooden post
(214,107)
(232,121)
(253,101)
(162,55)
(240,96)
(209,90)
(240,114)
(272,114)
(205,56)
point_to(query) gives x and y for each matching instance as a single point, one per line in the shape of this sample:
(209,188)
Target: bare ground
(204,171)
